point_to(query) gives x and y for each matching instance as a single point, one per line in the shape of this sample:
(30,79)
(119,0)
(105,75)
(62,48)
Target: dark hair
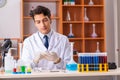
(40,10)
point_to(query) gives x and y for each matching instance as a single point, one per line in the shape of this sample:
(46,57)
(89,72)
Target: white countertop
(60,74)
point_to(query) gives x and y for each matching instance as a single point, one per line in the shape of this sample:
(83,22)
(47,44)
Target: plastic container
(9,62)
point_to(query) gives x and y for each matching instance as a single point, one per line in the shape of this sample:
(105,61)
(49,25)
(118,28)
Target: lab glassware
(70,35)
(65,2)
(71,66)
(68,16)
(72,2)
(98,50)
(91,2)
(85,16)
(94,35)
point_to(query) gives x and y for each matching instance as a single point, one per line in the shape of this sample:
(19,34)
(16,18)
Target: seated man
(46,48)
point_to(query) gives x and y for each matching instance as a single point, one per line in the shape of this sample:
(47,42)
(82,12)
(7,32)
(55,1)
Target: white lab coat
(58,43)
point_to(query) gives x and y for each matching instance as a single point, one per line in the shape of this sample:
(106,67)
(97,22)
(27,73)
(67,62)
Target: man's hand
(37,58)
(52,57)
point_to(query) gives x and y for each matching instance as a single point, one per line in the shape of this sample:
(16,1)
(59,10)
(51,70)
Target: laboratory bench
(59,74)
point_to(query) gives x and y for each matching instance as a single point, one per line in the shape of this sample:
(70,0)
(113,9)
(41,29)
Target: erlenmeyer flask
(91,2)
(71,65)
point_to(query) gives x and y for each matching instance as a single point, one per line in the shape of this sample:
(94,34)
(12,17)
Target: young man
(46,48)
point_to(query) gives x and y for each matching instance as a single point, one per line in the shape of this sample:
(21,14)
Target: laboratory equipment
(65,2)
(71,35)
(94,35)
(28,69)
(23,68)
(71,66)
(91,2)
(15,67)
(92,62)
(4,49)
(9,62)
(68,16)
(31,11)
(85,16)
(98,50)
(72,2)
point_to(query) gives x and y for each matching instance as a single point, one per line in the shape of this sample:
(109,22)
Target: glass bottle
(70,35)
(94,35)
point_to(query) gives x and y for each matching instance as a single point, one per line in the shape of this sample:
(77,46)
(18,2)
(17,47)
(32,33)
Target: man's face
(42,23)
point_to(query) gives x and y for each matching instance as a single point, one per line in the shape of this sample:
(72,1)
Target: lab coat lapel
(40,43)
(52,41)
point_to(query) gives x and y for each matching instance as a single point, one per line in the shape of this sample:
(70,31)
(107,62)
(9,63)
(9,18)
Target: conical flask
(91,2)
(71,65)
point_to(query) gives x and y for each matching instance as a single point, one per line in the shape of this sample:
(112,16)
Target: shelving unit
(83,29)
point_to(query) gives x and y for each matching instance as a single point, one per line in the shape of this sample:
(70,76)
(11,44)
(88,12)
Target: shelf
(10,38)
(41,0)
(27,35)
(28,17)
(94,22)
(83,22)
(72,21)
(97,38)
(95,6)
(72,5)
(75,38)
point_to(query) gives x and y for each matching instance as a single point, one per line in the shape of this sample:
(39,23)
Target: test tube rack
(88,62)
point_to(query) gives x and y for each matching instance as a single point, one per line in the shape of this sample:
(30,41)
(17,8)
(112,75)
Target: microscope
(4,49)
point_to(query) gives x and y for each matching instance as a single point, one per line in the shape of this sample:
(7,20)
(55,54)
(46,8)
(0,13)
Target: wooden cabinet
(63,15)
(28,26)
(82,29)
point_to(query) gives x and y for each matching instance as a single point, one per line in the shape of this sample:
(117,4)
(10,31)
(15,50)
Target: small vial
(28,69)
(65,2)
(15,66)
(72,2)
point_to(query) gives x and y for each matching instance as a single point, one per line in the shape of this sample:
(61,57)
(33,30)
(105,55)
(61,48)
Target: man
(46,48)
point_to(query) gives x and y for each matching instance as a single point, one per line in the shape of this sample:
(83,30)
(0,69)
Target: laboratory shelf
(28,17)
(72,5)
(93,6)
(41,0)
(83,29)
